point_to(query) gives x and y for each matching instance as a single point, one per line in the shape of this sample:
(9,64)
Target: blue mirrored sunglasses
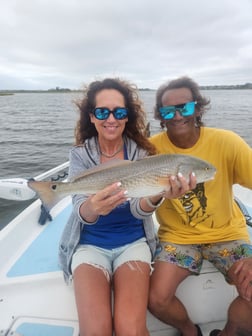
(103,113)
(185,110)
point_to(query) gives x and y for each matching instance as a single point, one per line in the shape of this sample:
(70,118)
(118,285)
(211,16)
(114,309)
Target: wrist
(87,213)
(154,204)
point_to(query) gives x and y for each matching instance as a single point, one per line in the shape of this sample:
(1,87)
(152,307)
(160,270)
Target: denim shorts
(222,255)
(109,260)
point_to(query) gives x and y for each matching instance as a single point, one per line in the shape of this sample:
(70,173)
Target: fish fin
(102,167)
(46,193)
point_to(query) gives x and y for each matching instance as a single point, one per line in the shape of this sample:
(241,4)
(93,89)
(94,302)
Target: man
(204,223)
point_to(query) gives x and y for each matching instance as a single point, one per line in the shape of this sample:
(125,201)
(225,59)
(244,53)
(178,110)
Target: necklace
(109,156)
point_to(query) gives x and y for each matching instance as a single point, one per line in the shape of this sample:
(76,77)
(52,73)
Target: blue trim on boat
(38,329)
(42,255)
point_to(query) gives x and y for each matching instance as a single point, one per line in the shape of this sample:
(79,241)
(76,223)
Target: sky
(68,43)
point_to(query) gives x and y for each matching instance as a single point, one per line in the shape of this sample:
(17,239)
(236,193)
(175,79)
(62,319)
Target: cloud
(53,43)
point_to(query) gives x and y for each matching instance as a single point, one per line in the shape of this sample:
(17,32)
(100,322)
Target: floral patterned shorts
(223,255)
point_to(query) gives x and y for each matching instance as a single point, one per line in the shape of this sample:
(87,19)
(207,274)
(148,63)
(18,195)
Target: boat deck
(34,299)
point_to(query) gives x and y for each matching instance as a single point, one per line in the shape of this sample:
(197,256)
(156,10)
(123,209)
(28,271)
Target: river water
(37,130)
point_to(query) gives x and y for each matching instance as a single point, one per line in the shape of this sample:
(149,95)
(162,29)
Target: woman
(110,240)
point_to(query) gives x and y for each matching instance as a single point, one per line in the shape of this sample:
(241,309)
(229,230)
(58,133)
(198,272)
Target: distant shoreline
(4,93)
(247,86)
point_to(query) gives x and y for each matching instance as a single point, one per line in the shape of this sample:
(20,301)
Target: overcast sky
(66,43)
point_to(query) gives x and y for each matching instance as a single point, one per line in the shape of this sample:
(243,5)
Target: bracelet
(154,206)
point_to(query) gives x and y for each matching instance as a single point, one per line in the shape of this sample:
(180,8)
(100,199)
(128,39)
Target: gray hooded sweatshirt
(81,158)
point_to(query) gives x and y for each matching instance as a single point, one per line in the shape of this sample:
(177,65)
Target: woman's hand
(103,202)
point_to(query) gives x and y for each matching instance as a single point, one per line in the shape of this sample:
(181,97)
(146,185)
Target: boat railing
(54,171)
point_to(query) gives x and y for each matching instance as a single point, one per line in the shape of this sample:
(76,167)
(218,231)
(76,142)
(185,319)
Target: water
(37,130)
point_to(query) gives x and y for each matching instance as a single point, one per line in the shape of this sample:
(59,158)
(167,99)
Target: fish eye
(54,186)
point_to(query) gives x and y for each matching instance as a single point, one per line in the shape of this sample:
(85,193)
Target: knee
(124,327)
(157,301)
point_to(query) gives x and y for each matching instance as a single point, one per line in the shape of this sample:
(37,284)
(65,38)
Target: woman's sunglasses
(102,113)
(185,110)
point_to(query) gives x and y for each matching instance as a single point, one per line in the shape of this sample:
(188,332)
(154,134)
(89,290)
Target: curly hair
(182,82)
(135,128)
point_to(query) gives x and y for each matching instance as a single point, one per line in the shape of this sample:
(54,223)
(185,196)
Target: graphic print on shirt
(195,203)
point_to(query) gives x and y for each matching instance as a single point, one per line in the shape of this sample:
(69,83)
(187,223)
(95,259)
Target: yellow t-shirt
(208,213)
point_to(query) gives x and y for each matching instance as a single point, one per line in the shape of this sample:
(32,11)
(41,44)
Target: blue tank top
(116,229)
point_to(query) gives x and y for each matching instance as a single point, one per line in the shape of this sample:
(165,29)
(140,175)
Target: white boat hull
(34,299)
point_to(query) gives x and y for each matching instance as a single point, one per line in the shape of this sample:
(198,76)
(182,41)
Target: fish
(142,178)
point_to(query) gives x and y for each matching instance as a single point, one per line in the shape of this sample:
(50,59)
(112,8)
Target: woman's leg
(131,286)
(93,299)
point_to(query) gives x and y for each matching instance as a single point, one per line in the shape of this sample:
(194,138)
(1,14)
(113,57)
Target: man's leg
(162,300)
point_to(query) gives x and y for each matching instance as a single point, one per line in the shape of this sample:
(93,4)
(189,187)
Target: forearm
(87,211)
(149,204)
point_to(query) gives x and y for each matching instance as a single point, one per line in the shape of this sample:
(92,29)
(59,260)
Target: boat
(35,300)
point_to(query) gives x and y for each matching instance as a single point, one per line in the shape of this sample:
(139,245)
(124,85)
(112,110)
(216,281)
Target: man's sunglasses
(103,113)
(185,110)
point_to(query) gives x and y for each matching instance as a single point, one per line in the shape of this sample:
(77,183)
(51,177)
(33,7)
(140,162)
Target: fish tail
(46,192)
